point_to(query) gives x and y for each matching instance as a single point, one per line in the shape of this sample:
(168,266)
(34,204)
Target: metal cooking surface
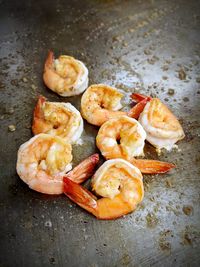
(150,46)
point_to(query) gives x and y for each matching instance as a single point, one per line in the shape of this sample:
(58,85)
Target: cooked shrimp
(120,185)
(66,75)
(57,119)
(124,138)
(162,127)
(100,103)
(44,160)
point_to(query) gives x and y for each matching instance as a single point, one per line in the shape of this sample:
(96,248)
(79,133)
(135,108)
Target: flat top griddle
(150,46)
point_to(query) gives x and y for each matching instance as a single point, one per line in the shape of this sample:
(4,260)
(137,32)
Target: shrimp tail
(80,195)
(152,166)
(139,97)
(137,109)
(49,59)
(141,101)
(84,170)
(38,115)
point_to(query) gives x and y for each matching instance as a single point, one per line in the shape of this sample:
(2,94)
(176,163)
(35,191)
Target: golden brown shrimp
(66,75)
(44,160)
(57,119)
(162,127)
(124,138)
(120,185)
(100,103)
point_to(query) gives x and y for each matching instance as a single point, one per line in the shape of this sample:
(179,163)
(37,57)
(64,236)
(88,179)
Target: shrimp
(66,75)
(100,103)
(57,119)
(162,127)
(44,160)
(124,137)
(117,182)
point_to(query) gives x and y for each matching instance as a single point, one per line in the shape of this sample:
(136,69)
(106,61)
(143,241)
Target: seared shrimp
(57,119)
(124,138)
(162,127)
(66,75)
(100,103)
(117,182)
(44,160)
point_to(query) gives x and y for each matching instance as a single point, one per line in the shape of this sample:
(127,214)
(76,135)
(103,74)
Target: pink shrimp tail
(152,166)
(139,97)
(80,195)
(50,59)
(139,107)
(84,170)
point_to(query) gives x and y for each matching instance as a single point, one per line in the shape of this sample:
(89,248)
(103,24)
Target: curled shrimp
(162,127)
(66,75)
(117,182)
(44,160)
(57,119)
(124,138)
(100,103)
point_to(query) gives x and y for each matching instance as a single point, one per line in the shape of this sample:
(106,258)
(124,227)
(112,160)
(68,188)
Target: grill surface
(133,45)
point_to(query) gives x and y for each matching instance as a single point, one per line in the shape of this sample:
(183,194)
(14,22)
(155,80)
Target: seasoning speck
(198,79)
(188,210)
(164,245)
(152,60)
(151,220)
(10,111)
(187,240)
(24,79)
(11,128)
(182,74)
(185,99)
(168,183)
(147,52)
(52,260)
(165,67)
(33,87)
(170,91)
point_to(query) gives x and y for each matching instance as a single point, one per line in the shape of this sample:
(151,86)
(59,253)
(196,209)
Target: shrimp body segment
(122,137)
(162,127)
(66,75)
(117,182)
(57,119)
(42,162)
(100,103)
